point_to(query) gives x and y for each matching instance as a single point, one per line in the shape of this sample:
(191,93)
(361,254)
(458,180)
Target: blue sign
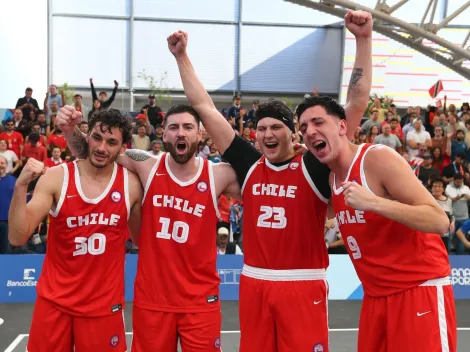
(460,275)
(19,276)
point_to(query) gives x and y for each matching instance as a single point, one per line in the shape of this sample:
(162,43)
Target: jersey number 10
(179,232)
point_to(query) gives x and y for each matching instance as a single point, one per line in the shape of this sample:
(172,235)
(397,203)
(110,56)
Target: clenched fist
(357,197)
(32,170)
(177,43)
(359,23)
(68,118)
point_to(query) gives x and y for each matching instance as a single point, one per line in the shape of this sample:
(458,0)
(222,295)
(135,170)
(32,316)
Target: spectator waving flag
(436,89)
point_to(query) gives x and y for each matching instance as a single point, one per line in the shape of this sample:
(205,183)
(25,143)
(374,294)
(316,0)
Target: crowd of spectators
(436,144)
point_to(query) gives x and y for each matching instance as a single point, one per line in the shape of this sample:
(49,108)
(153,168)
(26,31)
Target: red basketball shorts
(53,330)
(418,319)
(159,331)
(283,310)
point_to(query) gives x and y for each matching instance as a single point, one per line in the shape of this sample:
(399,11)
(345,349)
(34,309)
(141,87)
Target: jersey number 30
(272,217)
(94,245)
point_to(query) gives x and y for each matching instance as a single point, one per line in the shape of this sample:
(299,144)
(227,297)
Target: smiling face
(274,139)
(323,134)
(181,136)
(104,147)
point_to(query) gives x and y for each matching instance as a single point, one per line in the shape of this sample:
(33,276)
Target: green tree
(158,87)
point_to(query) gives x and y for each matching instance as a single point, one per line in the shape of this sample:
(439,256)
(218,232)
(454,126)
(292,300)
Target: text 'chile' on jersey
(283,218)
(176,270)
(389,257)
(83,272)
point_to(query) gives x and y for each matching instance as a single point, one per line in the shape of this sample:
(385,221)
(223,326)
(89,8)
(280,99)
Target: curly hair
(331,106)
(109,118)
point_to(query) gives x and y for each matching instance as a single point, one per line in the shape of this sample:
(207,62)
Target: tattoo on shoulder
(137,155)
(78,145)
(356,76)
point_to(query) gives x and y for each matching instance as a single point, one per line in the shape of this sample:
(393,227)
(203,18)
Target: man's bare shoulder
(52,180)
(223,170)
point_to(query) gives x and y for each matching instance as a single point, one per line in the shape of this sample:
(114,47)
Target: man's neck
(3,174)
(427,166)
(88,169)
(340,166)
(186,171)
(10,132)
(284,159)
(386,135)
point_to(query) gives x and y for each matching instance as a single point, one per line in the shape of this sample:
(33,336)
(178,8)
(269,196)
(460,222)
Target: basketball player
(391,225)
(177,285)
(283,291)
(91,203)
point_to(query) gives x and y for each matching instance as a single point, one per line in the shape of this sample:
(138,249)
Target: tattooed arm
(359,23)
(77,143)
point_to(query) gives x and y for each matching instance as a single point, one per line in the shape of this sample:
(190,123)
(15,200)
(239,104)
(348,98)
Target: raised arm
(24,217)
(396,179)
(359,23)
(218,128)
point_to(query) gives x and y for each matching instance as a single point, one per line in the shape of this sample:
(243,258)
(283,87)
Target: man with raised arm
(283,291)
(92,203)
(177,285)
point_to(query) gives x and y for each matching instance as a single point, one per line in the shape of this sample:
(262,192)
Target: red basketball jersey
(389,257)
(177,271)
(283,217)
(83,272)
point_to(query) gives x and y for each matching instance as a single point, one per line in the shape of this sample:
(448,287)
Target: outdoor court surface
(343,325)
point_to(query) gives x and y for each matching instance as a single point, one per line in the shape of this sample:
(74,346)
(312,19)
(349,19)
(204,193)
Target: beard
(181,159)
(111,160)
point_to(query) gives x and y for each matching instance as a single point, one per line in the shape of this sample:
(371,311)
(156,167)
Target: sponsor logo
(217,343)
(28,274)
(116,196)
(294,165)
(317,302)
(460,276)
(421,314)
(318,348)
(114,341)
(202,186)
(29,279)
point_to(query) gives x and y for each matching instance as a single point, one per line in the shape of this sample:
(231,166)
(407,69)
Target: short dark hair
(458,176)
(83,123)
(438,180)
(274,107)
(179,109)
(331,106)
(35,123)
(77,95)
(40,112)
(9,120)
(394,120)
(28,89)
(56,147)
(34,137)
(103,93)
(110,118)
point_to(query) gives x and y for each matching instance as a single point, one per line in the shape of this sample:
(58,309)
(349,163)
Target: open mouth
(319,145)
(100,157)
(271,145)
(181,147)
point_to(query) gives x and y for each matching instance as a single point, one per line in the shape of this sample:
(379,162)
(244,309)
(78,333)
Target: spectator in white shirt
(223,244)
(12,160)
(417,138)
(156,148)
(459,194)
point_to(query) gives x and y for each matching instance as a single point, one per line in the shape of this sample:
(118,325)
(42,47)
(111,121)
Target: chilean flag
(436,89)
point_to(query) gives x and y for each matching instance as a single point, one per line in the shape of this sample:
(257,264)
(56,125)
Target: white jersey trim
(65,184)
(250,171)
(312,185)
(126,191)
(441,310)
(284,275)
(102,195)
(276,168)
(176,180)
(340,189)
(212,188)
(150,177)
(361,168)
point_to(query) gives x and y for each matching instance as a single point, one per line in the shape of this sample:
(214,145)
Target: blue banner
(19,275)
